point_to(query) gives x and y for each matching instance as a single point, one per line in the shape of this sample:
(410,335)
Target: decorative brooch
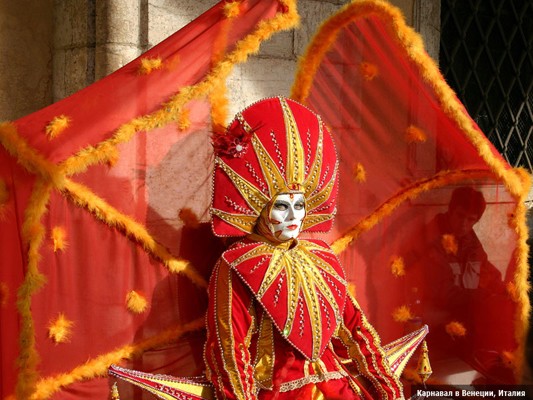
(234,142)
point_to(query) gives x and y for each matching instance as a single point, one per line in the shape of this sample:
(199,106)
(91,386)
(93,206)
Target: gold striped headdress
(274,146)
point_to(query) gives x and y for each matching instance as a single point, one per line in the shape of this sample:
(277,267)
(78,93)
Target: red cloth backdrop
(406,144)
(104,227)
(123,192)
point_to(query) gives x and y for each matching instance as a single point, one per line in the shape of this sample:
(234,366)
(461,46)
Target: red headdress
(274,146)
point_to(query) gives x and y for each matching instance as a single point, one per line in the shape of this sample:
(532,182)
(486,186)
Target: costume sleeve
(364,347)
(230,326)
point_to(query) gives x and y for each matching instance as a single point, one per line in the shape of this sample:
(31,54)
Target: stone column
(118,34)
(25,57)
(426,20)
(74,46)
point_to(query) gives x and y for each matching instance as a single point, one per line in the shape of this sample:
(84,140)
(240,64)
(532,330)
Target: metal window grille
(486,56)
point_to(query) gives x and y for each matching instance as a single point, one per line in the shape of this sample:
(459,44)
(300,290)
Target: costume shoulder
(300,285)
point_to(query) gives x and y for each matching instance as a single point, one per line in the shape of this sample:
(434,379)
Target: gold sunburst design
(310,281)
(294,176)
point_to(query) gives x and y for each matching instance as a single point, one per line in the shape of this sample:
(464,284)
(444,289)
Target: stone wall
(26,46)
(68,44)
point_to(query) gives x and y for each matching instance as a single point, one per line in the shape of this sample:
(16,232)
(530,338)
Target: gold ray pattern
(308,279)
(317,185)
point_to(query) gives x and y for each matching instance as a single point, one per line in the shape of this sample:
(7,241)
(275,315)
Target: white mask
(286,216)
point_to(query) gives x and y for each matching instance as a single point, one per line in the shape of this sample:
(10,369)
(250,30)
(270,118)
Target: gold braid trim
(27,156)
(520,279)
(412,44)
(106,151)
(439,180)
(170,111)
(224,330)
(33,233)
(97,367)
(83,197)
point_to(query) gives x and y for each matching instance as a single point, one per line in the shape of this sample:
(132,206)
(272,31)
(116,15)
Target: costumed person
(456,285)
(280,322)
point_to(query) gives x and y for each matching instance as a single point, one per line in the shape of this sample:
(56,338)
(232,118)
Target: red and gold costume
(280,322)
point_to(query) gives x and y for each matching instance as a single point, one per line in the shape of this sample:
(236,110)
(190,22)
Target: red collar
(301,287)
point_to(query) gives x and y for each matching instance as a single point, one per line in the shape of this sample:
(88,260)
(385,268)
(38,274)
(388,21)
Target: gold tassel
(114,392)
(423,368)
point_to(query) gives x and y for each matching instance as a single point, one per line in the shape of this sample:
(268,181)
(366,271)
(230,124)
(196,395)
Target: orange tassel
(368,70)
(148,65)
(232,9)
(455,329)
(402,314)
(359,173)
(60,330)
(57,126)
(449,243)
(59,238)
(414,134)
(398,267)
(136,302)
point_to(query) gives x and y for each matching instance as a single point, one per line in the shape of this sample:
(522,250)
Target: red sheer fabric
(418,257)
(128,184)
(118,203)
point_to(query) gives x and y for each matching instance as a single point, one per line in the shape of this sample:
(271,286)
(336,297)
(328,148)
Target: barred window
(486,56)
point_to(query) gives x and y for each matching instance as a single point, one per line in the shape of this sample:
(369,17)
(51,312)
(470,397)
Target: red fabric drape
(403,154)
(405,148)
(153,188)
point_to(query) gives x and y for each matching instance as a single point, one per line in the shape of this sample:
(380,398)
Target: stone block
(280,45)
(110,57)
(312,13)
(117,21)
(25,57)
(259,78)
(71,23)
(70,71)
(168,16)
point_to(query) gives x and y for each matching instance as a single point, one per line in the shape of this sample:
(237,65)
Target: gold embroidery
(298,383)
(315,219)
(224,330)
(309,279)
(295,152)
(279,178)
(273,177)
(311,183)
(245,223)
(264,364)
(253,196)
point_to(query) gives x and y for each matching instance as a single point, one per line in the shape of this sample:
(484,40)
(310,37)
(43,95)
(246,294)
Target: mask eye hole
(299,205)
(281,206)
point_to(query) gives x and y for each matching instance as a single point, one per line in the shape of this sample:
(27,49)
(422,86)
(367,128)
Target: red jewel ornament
(234,142)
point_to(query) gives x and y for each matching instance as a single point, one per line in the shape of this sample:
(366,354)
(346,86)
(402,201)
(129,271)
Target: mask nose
(290,215)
